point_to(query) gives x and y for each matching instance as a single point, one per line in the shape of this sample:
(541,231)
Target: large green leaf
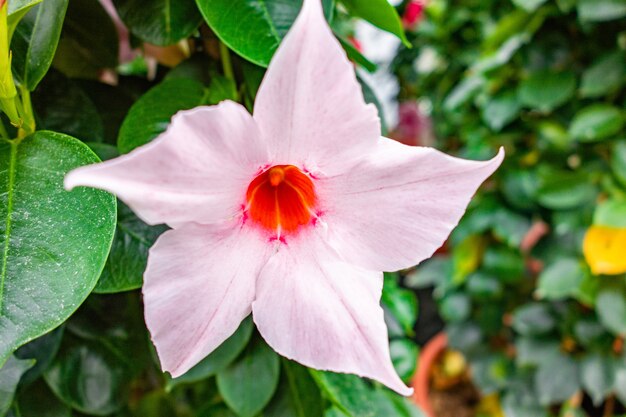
(10,375)
(17,10)
(380,13)
(297,395)
(42,350)
(597,375)
(248,384)
(560,279)
(35,41)
(611,309)
(220,358)
(606,75)
(89,377)
(161,22)
(547,90)
(89,41)
(54,242)
(151,114)
(596,122)
(557,380)
(253,28)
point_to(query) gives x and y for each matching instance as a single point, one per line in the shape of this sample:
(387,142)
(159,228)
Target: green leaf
(601,10)
(611,309)
(248,384)
(42,350)
(370,97)
(10,374)
(39,401)
(151,114)
(89,377)
(62,106)
(349,393)
(528,5)
(380,13)
(400,303)
(560,279)
(620,379)
(297,394)
(606,75)
(404,354)
(253,28)
(597,375)
(557,380)
(505,263)
(596,122)
(17,10)
(533,319)
(618,161)
(161,22)
(533,351)
(55,242)
(546,90)
(219,359)
(35,41)
(84,52)
(355,56)
(562,190)
(611,213)
(455,307)
(501,110)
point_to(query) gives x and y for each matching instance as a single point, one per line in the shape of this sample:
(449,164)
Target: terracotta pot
(421,381)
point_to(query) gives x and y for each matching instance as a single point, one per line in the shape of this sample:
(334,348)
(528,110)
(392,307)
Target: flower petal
(198,287)
(396,207)
(198,170)
(324,313)
(310,106)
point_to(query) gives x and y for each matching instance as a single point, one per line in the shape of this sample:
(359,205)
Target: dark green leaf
(596,122)
(611,309)
(42,350)
(404,357)
(89,378)
(597,375)
(349,393)
(547,90)
(605,75)
(455,307)
(84,52)
(505,263)
(618,161)
(248,384)
(380,13)
(253,28)
(60,105)
(297,395)
(10,374)
(533,319)
(370,97)
(501,110)
(601,10)
(355,56)
(560,279)
(151,114)
(557,380)
(55,242)
(533,351)
(561,190)
(39,401)
(161,22)
(35,41)
(401,303)
(220,358)
(17,10)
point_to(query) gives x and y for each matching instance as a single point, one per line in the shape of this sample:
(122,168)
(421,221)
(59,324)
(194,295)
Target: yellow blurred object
(605,250)
(449,370)
(489,406)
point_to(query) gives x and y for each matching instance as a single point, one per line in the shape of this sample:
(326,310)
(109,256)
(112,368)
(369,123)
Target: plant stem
(227,65)
(25,108)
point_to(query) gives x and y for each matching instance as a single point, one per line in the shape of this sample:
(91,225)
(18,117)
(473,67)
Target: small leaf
(151,114)
(601,10)
(533,319)
(562,190)
(161,22)
(404,354)
(219,359)
(501,110)
(618,161)
(597,376)
(56,242)
(297,395)
(560,279)
(529,5)
(596,122)
(557,380)
(611,213)
(35,41)
(10,374)
(380,13)
(400,303)
(606,75)
(357,57)
(603,248)
(611,309)
(248,384)
(546,90)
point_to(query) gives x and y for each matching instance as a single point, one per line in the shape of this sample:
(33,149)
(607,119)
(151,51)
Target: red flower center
(281,198)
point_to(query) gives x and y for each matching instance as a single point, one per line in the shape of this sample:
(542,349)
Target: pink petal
(198,170)
(198,287)
(310,107)
(396,207)
(324,313)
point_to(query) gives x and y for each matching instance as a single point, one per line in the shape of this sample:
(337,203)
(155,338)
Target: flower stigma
(281,199)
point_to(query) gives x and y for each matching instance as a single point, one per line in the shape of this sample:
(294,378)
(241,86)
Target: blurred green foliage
(528,307)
